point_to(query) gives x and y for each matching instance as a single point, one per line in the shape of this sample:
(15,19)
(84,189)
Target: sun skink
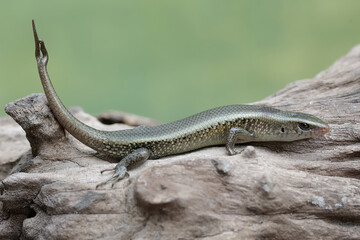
(227,125)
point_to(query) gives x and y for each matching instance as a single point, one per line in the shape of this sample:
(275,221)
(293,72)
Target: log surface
(309,188)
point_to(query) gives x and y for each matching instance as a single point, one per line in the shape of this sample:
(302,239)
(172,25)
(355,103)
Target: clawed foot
(137,156)
(120,173)
(234,152)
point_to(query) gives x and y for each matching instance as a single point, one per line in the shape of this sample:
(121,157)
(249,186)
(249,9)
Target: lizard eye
(304,126)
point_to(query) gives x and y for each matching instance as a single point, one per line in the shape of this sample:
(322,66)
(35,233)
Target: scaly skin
(225,125)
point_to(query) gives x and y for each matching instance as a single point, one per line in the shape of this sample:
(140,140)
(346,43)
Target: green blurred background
(170,59)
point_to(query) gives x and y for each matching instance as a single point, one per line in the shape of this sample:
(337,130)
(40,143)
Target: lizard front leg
(235,135)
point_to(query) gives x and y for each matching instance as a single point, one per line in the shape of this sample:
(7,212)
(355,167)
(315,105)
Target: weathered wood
(307,189)
(111,117)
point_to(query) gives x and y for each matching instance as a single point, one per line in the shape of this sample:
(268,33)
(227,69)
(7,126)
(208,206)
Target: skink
(227,125)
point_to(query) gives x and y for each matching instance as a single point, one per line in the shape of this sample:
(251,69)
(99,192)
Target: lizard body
(226,125)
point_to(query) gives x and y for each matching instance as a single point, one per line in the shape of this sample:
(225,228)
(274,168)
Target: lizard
(225,125)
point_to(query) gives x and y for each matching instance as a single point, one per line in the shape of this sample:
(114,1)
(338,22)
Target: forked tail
(87,135)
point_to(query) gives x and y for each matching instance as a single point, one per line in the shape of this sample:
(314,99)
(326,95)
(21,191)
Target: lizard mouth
(322,131)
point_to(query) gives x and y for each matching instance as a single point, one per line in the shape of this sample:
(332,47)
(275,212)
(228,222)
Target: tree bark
(307,189)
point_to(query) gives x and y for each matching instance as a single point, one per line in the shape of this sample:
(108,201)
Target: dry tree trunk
(307,189)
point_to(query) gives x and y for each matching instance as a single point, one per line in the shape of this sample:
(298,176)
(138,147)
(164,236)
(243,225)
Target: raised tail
(87,135)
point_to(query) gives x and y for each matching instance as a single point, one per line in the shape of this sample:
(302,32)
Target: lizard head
(295,126)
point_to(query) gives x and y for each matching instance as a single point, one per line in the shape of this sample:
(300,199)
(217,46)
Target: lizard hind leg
(135,158)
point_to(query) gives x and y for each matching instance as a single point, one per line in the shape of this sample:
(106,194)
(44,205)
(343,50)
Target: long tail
(87,135)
